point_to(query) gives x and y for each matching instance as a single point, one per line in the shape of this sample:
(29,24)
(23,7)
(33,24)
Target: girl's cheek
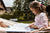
(34,12)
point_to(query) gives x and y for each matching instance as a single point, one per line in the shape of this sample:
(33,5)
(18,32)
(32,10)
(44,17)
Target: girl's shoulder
(42,14)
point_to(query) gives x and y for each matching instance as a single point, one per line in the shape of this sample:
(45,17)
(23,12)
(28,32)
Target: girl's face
(33,10)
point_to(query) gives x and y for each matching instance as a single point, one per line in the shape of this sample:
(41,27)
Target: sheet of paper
(19,28)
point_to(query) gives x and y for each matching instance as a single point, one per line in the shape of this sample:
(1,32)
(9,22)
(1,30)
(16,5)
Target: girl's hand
(34,31)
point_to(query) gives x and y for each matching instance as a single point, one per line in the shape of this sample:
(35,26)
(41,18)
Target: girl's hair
(37,5)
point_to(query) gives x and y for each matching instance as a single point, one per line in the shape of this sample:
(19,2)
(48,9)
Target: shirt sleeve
(44,20)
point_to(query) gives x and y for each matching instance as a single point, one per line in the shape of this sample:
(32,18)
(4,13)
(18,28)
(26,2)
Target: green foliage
(25,13)
(6,16)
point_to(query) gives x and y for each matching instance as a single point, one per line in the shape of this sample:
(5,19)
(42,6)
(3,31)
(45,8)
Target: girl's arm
(42,28)
(31,24)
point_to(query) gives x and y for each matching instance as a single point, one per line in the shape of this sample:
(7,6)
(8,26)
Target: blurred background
(18,10)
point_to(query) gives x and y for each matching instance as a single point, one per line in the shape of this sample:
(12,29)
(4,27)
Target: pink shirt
(41,20)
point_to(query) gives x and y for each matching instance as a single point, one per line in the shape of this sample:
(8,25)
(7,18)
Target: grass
(25,21)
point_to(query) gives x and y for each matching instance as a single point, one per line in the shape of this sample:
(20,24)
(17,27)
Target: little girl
(41,20)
